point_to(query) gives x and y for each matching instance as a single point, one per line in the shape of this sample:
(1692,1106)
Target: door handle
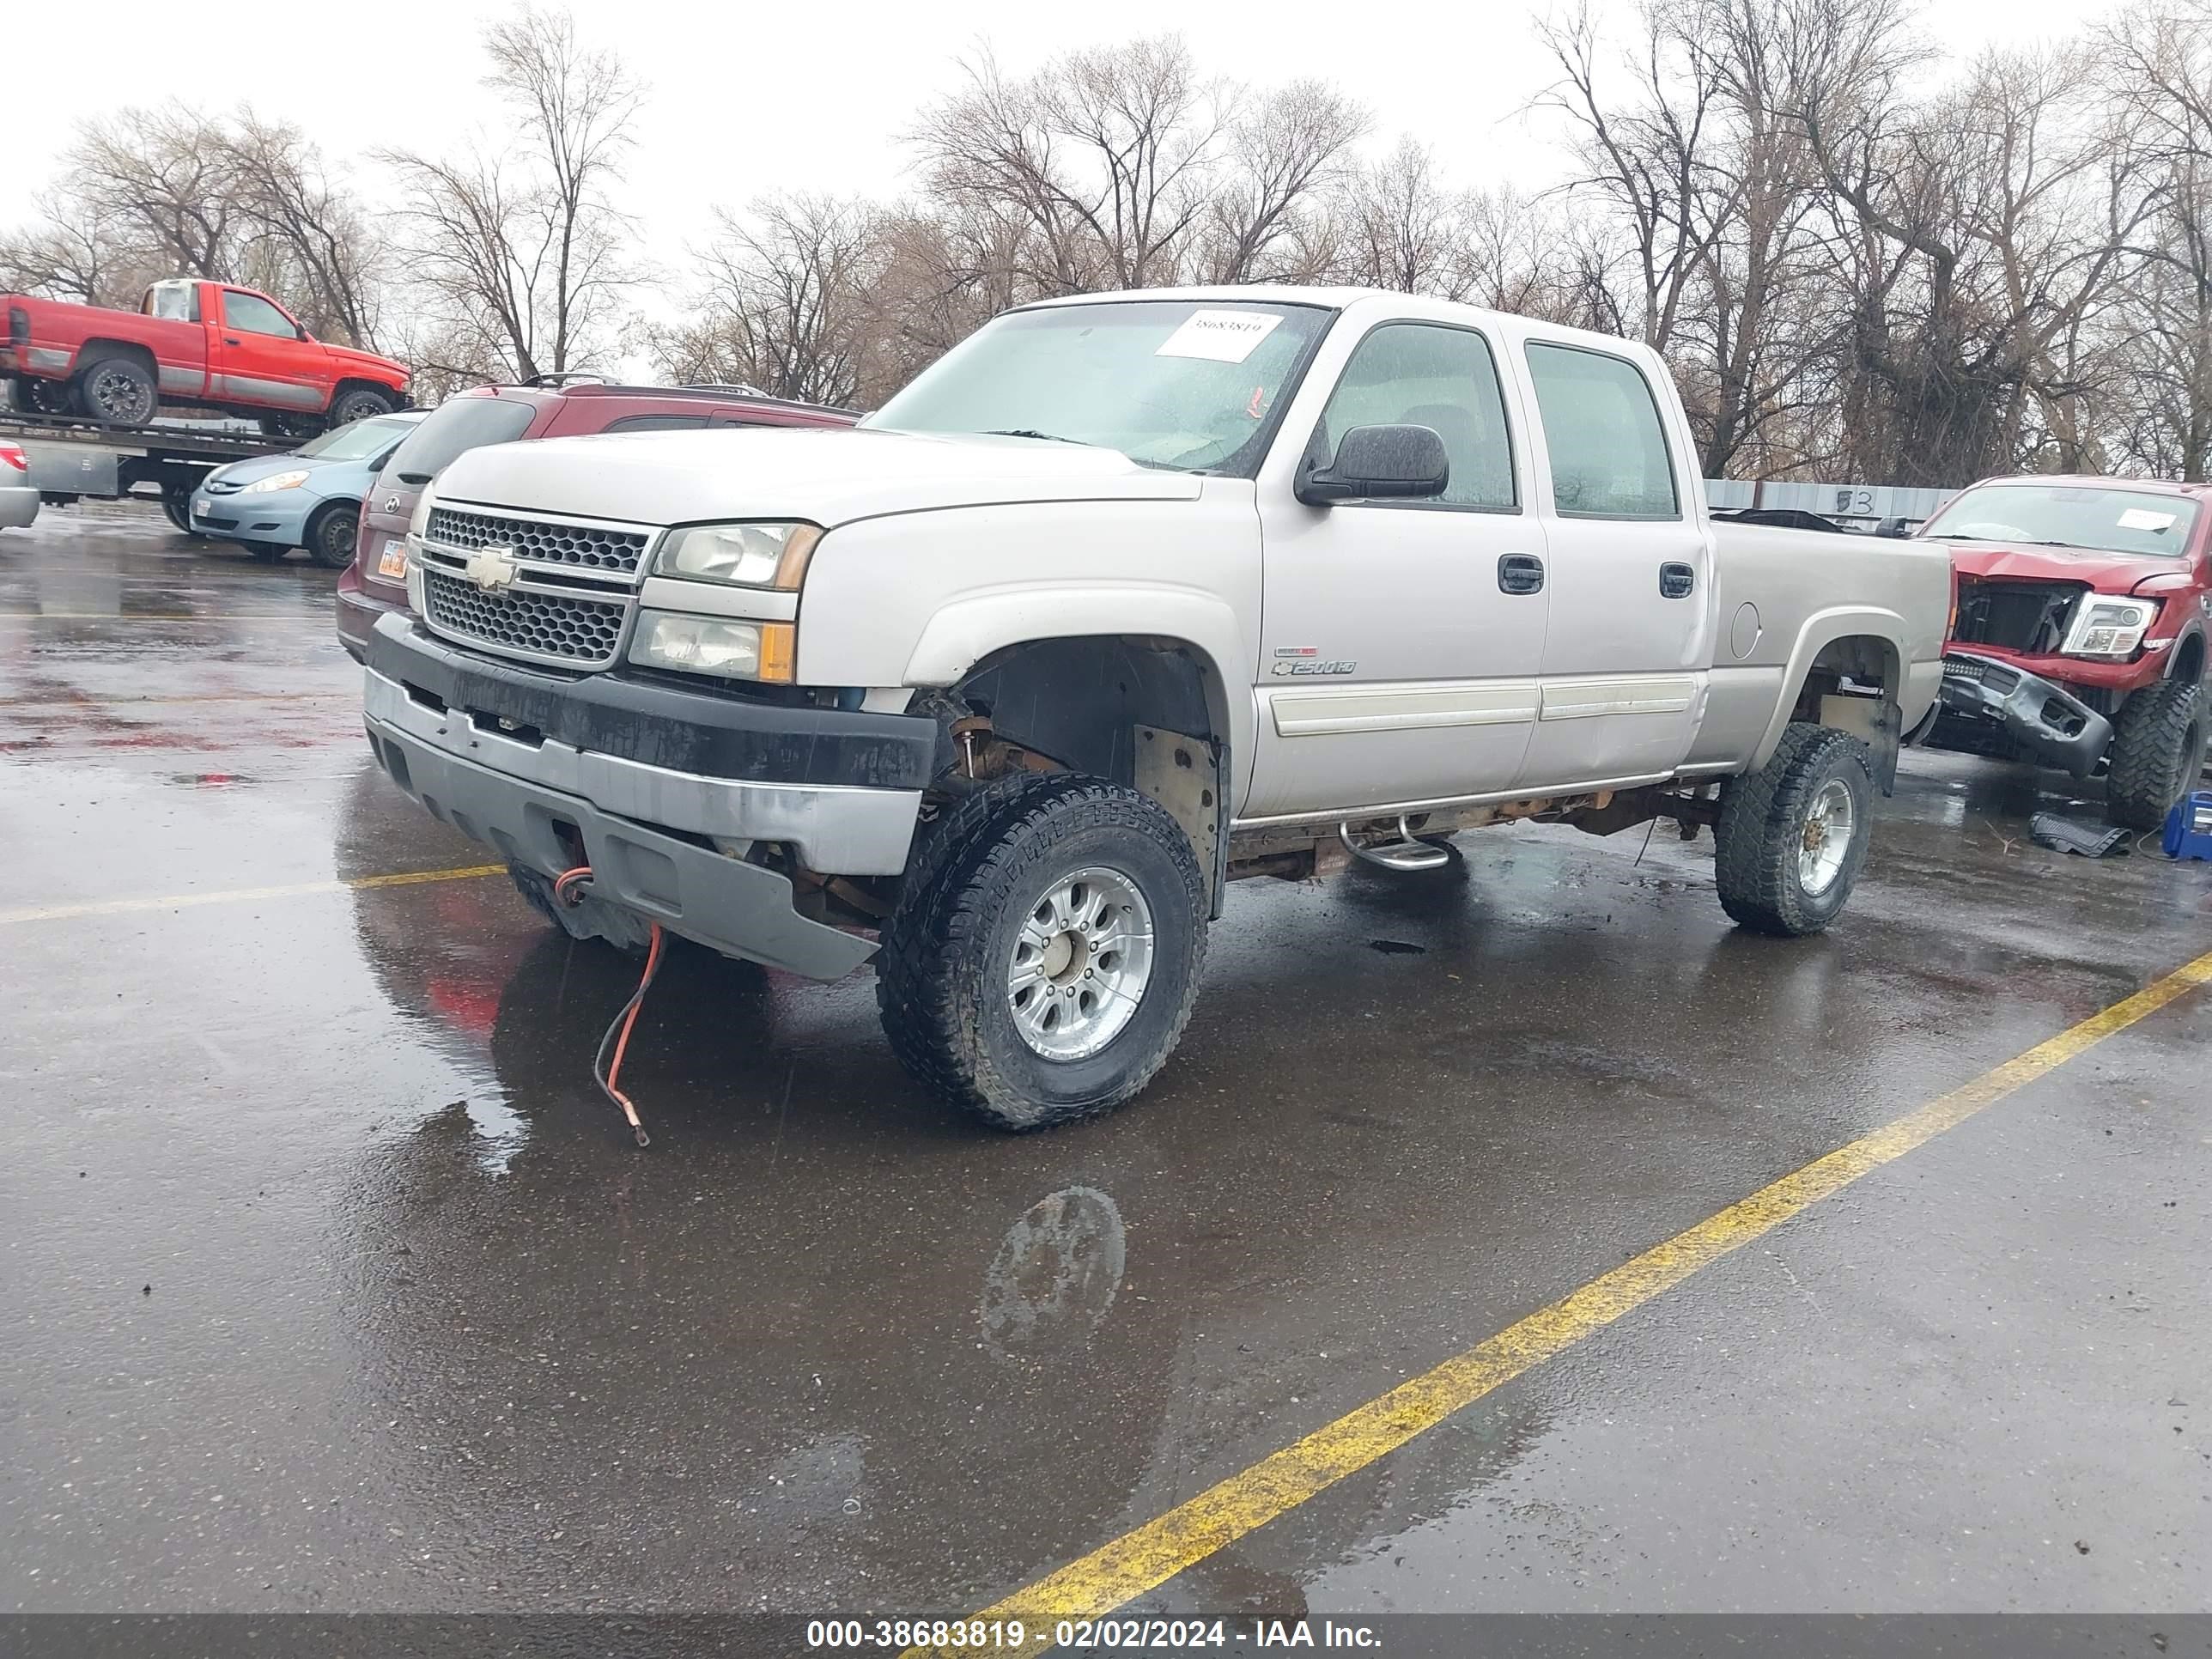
(1677,581)
(1520,573)
(230,339)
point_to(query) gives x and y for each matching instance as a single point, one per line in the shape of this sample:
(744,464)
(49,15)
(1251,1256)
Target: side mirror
(1405,463)
(1894,529)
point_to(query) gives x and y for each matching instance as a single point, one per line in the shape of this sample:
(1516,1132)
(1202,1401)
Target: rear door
(1398,647)
(1630,571)
(261,356)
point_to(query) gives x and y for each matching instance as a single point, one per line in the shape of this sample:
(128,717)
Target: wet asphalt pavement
(331,1282)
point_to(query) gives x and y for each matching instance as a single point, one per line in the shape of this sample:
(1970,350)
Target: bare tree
(790,305)
(1283,152)
(518,251)
(1104,155)
(321,235)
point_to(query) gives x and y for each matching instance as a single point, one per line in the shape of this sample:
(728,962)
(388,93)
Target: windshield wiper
(1026,432)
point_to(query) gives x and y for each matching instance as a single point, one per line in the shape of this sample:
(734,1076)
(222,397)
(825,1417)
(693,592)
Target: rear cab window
(453,429)
(1603,428)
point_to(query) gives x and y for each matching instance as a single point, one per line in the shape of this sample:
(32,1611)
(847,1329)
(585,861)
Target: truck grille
(578,632)
(2026,616)
(589,547)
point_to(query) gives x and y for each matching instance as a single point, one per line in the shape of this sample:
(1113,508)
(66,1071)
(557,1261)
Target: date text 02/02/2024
(990,1635)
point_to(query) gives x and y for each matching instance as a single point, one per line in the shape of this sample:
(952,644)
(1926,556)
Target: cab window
(1601,427)
(1436,376)
(255,315)
(180,303)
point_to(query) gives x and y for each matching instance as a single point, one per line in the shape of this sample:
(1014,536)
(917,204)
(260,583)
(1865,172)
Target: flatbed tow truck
(73,458)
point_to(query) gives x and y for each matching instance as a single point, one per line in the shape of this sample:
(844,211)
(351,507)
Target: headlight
(744,555)
(274,481)
(2109,628)
(715,645)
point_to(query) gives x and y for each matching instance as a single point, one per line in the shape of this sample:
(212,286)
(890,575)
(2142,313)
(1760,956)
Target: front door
(263,357)
(1400,641)
(1629,575)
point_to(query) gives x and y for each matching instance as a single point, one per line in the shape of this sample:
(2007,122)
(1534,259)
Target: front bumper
(536,765)
(277,518)
(2042,720)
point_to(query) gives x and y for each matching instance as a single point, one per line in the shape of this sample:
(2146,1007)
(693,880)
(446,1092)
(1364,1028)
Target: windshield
(453,429)
(355,442)
(2070,515)
(1180,384)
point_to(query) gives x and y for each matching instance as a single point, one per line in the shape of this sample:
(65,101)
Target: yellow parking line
(1143,1559)
(237,894)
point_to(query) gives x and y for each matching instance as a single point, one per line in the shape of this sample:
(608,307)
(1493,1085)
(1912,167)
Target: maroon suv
(376,581)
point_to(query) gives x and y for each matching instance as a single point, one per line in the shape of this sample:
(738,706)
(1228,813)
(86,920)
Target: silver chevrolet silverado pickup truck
(1129,596)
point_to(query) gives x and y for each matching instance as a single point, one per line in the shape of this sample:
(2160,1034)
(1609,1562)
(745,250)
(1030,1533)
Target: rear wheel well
(1852,686)
(94,351)
(1145,711)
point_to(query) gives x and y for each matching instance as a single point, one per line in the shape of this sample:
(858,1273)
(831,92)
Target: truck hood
(826,474)
(2107,573)
(368,364)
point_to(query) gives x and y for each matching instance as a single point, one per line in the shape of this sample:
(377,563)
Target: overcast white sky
(751,97)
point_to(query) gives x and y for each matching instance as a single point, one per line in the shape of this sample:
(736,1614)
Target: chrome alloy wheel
(1080,965)
(1826,840)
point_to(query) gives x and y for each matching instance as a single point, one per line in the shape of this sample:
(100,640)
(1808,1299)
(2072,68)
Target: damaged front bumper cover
(2038,718)
(645,830)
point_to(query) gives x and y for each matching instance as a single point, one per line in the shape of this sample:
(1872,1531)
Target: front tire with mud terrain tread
(1792,835)
(2158,744)
(361,402)
(1060,886)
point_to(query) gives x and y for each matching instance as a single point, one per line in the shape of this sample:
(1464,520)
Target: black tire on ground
(2158,744)
(177,507)
(1775,846)
(980,875)
(359,402)
(263,552)
(330,534)
(116,390)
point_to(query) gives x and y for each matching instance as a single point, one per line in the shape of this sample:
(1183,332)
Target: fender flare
(1819,631)
(966,630)
(2191,630)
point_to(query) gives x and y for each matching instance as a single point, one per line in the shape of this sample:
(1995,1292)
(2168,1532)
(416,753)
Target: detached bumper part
(482,753)
(2041,718)
(737,909)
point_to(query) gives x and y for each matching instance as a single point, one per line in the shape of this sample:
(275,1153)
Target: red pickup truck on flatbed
(211,345)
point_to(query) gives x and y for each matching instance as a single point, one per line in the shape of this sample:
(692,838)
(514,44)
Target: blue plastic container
(2189,827)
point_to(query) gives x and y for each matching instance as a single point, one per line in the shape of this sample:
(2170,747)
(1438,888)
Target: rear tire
(1793,834)
(1032,895)
(332,533)
(118,391)
(2158,745)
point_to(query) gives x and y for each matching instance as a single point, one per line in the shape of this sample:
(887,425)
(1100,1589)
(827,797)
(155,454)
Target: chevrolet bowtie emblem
(492,568)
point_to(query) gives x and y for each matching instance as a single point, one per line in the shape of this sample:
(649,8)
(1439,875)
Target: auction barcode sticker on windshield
(1225,337)
(2142,518)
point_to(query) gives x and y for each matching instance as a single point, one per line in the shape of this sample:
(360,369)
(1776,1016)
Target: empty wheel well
(1853,685)
(1112,706)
